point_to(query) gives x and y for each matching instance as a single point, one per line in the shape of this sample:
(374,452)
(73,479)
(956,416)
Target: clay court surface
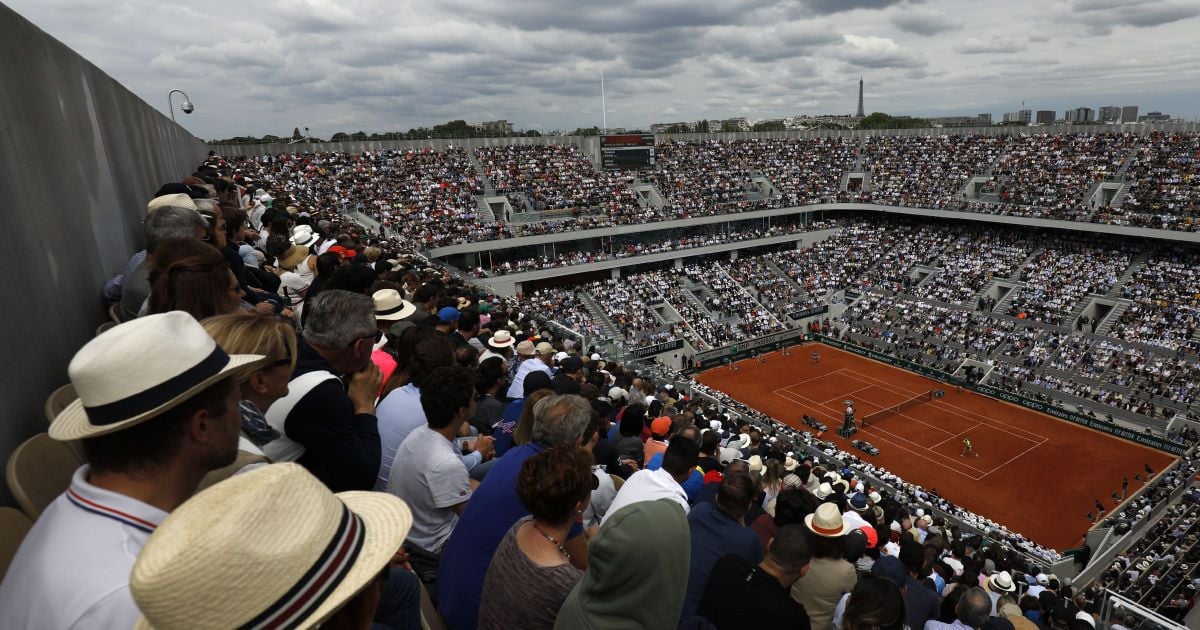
(1036,474)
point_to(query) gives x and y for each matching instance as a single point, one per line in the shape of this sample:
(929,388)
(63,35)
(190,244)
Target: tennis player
(967,448)
(816,357)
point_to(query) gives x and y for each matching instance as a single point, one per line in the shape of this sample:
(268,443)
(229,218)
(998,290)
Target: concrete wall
(80,156)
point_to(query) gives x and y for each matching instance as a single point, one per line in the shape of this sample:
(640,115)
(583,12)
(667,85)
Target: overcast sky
(270,65)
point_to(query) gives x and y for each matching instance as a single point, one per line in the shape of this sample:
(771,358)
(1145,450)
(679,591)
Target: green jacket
(637,571)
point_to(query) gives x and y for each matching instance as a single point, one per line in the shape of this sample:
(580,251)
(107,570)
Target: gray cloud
(1100,16)
(925,22)
(825,7)
(993,45)
(380,65)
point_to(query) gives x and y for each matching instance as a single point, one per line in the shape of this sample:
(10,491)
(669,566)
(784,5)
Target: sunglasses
(375,337)
(281,362)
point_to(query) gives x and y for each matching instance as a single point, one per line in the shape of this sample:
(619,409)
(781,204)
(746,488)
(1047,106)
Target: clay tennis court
(1036,474)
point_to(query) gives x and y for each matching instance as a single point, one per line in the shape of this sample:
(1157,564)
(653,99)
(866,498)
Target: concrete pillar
(678,263)
(616,273)
(733,255)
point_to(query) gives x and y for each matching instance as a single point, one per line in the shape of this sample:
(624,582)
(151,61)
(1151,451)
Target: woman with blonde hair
(273,337)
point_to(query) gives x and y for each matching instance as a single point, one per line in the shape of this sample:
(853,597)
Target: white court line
(834,419)
(955,435)
(863,378)
(844,396)
(810,379)
(1014,457)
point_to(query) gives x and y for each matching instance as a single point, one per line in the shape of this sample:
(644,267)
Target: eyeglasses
(375,337)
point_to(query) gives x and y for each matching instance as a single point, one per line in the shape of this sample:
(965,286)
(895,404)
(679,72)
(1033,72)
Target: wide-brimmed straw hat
(502,339)
(827,521)
(141,369)
(1001,583)
(269,548)
(390,307)
(293,256)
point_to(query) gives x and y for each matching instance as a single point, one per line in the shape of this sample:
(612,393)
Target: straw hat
(1001,583)
(525,348)
(756,463)
(502,339)
(823,491)
(179,200)
(141,369)
(292,258)
(390,307)
(271,547)
(827,521)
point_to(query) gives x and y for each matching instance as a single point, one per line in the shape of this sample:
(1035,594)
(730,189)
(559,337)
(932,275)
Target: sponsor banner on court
(744,349)
(658,348)
(809,312)
(987,390)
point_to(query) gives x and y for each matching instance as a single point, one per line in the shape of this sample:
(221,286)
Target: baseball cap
(534,381)
(661,425)
(571,364)
(542,348)
(448,314)
(890,568)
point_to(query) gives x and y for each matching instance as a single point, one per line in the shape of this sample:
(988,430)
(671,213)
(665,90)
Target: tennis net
(888,412)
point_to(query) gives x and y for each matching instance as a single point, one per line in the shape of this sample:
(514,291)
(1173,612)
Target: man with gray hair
(558,421)
(972,611)
(170,217)
(330,405)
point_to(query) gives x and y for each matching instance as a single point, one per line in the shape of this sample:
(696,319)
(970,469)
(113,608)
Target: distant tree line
(452,129)
(880,120)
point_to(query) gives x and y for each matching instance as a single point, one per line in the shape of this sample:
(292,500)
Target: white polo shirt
(72,570)
(648,485)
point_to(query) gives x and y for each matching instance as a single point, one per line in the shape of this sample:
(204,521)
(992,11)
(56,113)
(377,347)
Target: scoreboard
(627,152)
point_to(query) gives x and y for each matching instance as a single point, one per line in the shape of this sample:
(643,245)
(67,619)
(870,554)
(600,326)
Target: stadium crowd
(366,425)
(430,197)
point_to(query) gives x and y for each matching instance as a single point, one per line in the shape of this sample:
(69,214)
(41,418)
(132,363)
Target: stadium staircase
(607,325)
(486,216)
(488,188)
(1122,194)
(933,272)
(1003,304)
(1016,275)
(690,288)
(774,317)
(1113,316)
(770,264)
(1135,263)
(1077,311)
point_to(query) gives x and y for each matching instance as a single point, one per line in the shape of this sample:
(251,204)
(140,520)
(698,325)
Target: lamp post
(186,105)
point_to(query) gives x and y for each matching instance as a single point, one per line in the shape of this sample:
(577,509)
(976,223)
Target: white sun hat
(390,307)
(269,548)
(141,369)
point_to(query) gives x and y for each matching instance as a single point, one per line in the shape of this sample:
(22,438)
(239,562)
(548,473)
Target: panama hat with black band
(270,548)
(139,370)
(390,307)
